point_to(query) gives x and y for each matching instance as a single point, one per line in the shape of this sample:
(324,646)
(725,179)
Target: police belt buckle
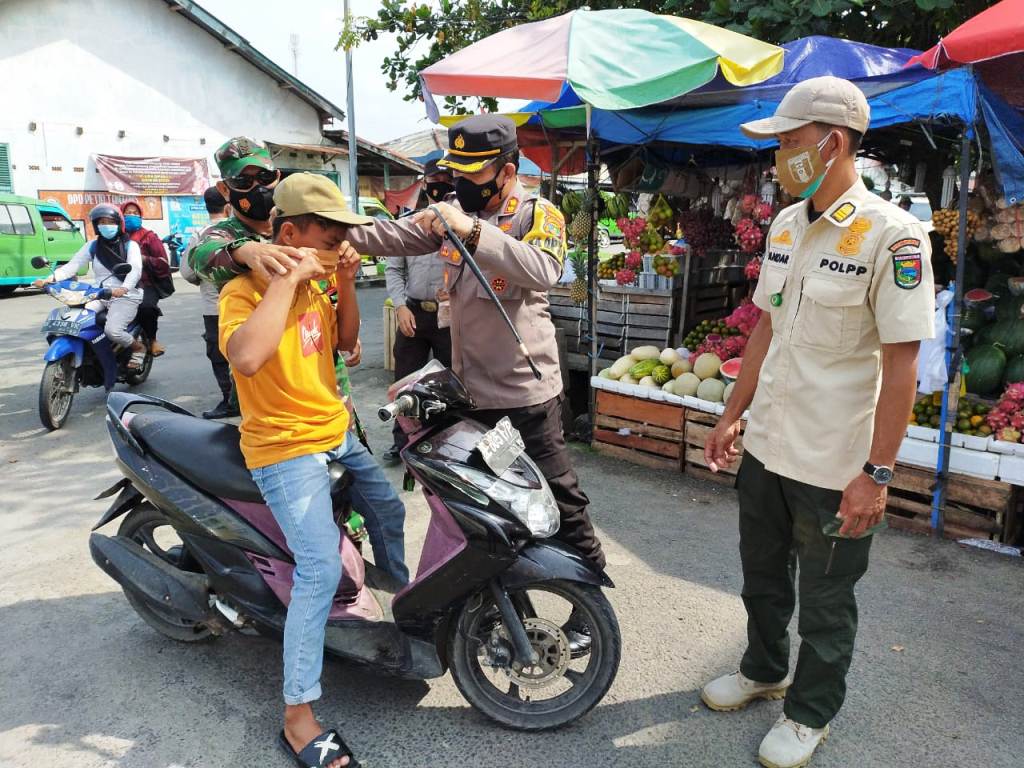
(428,306)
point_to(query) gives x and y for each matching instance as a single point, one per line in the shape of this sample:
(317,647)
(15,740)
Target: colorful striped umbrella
(613,59)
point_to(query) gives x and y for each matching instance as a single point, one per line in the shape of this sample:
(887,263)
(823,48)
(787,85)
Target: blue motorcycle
(80,355)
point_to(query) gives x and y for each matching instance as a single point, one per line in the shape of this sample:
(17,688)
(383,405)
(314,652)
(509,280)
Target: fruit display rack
(984,496)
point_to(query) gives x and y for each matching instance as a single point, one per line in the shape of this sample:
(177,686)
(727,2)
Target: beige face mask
(801,170)
(328,260)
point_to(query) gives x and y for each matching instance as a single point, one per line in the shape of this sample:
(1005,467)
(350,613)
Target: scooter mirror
(38,262)
(121,271)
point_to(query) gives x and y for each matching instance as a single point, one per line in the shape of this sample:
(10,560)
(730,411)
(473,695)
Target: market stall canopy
(874,69)
(992,41)
(611,59)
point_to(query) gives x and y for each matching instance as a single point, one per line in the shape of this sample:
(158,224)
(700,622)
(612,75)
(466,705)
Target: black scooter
(199,554)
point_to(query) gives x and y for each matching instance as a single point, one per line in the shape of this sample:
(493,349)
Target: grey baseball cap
(828,99)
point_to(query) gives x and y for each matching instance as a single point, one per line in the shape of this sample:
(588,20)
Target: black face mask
(255,204)
(473,198)
(439,190)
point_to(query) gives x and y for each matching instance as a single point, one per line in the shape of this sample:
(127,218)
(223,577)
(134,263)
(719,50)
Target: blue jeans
(298,493)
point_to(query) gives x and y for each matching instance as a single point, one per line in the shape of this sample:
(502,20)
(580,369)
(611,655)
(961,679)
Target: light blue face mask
(109,231)
(132,222)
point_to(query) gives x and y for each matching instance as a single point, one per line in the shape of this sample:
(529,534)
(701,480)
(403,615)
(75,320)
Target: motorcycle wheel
(56,391)
(136,377)
(558,689)
(150,529)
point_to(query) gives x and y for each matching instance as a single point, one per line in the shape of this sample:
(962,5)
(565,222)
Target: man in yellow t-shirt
(280,337)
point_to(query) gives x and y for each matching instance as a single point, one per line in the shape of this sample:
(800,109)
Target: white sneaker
(731,692)
(789,744)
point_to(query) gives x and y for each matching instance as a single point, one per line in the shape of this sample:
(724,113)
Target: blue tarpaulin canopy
(897,95)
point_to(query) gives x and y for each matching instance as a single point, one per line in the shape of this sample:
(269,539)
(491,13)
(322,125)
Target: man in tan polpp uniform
(830,377)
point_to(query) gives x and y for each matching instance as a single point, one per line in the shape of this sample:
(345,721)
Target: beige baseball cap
(303,193)
(828,99)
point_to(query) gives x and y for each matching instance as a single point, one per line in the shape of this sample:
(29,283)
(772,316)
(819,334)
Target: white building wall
(127,65)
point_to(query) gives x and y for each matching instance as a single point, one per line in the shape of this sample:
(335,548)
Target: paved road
(85,683)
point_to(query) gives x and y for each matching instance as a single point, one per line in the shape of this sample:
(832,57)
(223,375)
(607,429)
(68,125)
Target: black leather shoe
(223,410)
(577,632)
(391,456)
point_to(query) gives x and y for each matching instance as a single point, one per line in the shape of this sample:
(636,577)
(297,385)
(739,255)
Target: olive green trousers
(781,523)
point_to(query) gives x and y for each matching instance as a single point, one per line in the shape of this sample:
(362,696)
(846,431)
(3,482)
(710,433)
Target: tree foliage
(427,33)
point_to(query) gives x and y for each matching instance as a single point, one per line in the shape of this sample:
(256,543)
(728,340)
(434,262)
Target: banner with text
(78,203)
(153,175)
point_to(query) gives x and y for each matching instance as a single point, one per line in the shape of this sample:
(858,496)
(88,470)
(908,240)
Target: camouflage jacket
(209,257)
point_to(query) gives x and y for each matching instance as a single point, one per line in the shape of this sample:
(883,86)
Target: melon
(621,367)
(687,385)
(730,369)
(645,353)
(627,379)
(680,367)
(669,356)
(648,381)
(605,374)
(661,374)
(711,390)
(707,365)
(669,386)
(728,392)
(987,364)
(1014,370)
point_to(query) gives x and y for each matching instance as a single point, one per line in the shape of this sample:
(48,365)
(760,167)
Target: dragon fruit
(634,260)
(1007,418)
(625,277)
(752,271)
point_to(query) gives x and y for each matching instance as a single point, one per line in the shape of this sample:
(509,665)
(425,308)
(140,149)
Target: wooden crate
(975,508)
(695,431)
(390,329)
(626,318)
(655,437)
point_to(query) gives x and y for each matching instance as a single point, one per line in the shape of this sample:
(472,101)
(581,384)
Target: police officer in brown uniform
(518,240)
(830,374)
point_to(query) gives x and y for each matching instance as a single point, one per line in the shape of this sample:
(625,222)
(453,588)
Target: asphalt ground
(936,678)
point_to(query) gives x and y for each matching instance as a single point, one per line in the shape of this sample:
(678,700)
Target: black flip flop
(321,751)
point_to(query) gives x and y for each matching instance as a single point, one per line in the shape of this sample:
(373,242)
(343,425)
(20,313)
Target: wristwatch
(881,475)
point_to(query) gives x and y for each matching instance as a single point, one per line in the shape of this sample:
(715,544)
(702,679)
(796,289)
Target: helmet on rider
(107,220)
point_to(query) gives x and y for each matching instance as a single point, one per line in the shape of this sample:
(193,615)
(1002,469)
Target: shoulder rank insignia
(843,212)
(511,206)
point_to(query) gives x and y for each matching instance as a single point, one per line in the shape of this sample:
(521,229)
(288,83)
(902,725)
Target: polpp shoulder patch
(906,270)
(547,231)
(906,242)
(843,212)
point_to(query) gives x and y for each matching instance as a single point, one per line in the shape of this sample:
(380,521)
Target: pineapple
(578,289)
(579,227)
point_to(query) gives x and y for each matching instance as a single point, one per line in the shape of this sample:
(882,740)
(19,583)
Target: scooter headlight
(536,508)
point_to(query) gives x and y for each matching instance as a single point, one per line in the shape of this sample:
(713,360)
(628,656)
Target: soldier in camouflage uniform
(248,182)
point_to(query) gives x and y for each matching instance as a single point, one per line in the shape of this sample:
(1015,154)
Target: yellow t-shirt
(290,407)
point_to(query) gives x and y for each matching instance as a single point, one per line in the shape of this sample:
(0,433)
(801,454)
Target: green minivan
(28,228)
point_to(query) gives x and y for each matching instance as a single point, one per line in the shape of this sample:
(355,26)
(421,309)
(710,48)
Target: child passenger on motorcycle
(280,337)
(111,247)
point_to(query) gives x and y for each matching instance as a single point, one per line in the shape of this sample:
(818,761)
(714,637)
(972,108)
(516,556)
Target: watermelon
(978,297)
(996,282)
(1014,370)
(1008,334)
(1009,307)
(730,369)
(973,320)
(987,364)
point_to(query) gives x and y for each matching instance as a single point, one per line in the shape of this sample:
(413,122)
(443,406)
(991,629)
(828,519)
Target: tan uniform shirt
(837,289)
(521,253)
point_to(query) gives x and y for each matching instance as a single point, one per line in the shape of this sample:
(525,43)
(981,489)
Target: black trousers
(149,313)
(541,428)
(221,369)
(781,522)
(411,354)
